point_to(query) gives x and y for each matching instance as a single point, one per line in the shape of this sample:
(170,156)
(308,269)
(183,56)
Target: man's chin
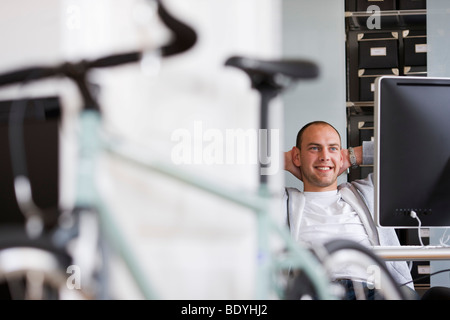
(325,183)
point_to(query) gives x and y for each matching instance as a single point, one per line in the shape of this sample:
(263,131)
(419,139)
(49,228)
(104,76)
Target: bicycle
(45,249)
(89,226)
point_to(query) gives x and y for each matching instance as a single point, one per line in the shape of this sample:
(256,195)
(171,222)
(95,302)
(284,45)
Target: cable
(410,265)
(426,276)
(413,215)
(444,239)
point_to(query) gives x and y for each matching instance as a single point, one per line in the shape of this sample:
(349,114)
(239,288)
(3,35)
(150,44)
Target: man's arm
(367,152)
(345,155)
(290,166)
(364,155)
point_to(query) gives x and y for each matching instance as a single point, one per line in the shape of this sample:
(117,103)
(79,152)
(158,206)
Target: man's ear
(296,156)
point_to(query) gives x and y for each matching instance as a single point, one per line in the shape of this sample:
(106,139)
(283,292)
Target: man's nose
(324,155)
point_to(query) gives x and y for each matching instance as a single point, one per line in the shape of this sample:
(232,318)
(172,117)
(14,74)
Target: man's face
(320,158)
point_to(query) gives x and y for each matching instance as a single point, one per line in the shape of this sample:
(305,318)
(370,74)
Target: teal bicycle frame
(268,263)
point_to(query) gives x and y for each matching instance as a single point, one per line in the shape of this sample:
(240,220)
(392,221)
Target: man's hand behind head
(289,164)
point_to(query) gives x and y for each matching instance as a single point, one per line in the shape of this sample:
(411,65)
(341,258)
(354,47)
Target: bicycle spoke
(34,283)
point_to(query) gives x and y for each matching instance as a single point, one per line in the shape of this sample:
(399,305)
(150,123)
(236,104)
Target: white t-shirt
(326,217)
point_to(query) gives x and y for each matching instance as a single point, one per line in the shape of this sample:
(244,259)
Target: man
(325,211)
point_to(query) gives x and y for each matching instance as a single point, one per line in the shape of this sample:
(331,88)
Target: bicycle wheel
(34,269)
(350,253)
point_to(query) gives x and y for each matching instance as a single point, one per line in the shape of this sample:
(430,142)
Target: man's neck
(334,190)
(310,188)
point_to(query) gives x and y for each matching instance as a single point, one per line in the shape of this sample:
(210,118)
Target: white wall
(438,65)
(315,30)
(190,244)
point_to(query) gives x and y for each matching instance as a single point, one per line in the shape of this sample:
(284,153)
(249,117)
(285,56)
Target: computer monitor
(412,151)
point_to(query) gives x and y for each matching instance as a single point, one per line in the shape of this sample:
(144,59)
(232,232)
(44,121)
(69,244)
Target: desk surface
(414,253)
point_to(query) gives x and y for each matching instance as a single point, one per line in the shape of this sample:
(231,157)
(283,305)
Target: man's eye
(315,148)
(333,149)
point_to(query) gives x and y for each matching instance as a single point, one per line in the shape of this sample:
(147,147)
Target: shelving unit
(388,18)
(386,42)
(398,47)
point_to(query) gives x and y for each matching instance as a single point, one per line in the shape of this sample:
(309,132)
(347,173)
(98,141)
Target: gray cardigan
(360,195)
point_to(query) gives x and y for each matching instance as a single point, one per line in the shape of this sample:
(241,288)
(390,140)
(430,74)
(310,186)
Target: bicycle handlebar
(184,37)
(33,73)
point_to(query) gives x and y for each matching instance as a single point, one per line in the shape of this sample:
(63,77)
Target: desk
(414,253)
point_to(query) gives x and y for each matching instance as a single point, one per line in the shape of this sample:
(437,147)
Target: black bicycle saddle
(266,71)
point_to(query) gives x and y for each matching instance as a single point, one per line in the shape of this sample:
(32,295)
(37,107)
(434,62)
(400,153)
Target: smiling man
(320,160)
(326,211)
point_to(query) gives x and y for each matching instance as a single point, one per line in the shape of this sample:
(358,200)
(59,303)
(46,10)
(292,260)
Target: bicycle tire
(34,269)
(347,251)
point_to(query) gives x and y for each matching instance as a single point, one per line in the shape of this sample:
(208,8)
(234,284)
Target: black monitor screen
(412,153)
